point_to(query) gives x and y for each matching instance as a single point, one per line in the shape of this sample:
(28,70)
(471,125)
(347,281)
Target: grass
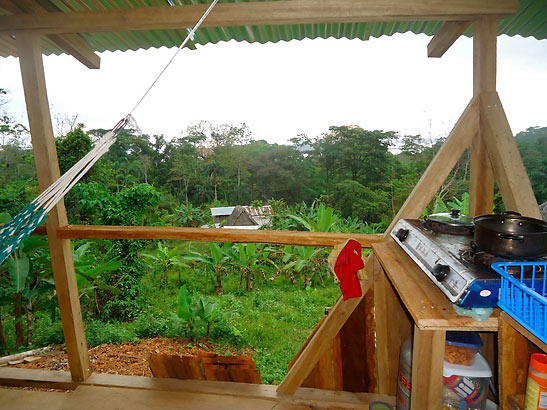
(273,320)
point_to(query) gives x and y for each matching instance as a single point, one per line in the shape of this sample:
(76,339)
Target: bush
(47,332)
(149,326)
(98,333)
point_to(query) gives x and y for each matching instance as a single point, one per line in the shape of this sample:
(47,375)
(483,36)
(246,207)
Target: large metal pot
(511,235)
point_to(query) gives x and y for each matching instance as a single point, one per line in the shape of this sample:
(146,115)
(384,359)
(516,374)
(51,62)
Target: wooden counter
(427,304)
(404,288)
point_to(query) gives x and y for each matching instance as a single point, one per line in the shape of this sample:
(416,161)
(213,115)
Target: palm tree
(214,173)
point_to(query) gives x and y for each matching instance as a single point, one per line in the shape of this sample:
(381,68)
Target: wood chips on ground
(127,358)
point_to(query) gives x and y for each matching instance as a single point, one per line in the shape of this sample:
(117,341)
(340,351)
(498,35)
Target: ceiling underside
(530,21)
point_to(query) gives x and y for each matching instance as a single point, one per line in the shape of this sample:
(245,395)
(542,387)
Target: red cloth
(348,263)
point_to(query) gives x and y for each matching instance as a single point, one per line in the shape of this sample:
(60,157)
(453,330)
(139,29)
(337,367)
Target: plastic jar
(536,385)
(462,347)
(403,376)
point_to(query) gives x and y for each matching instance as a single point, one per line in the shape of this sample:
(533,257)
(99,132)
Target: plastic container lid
(538,361)
(471,340)
(479,368)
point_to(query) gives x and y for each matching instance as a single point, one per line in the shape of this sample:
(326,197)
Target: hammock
(19,228)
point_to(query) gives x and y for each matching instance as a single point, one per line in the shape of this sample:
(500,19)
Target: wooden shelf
(428,306)
(523,331)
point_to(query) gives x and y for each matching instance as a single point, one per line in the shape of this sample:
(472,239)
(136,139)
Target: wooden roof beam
(78,48)
(446,36)
(256,14)
(71,44)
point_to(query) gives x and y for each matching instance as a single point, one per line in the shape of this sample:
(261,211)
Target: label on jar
(536,395)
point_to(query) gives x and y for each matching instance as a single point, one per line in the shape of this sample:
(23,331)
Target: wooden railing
(211,235)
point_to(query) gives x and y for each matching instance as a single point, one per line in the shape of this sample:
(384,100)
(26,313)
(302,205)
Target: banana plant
(193,310)
(215,260)
(26,273)
(246,256)
(88,276)
(325,220)
(304,261)
(164,259)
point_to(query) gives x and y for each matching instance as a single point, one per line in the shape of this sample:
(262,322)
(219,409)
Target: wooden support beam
(514,352)
(72,44)
(427,369)
(481,179)
(78,48)
(47,169)
(445,37)
(509,171)
(439,169)
(257,14)
(321,341)
(393,326)
(214,235)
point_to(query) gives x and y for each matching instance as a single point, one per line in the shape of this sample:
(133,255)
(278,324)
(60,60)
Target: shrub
(98,333)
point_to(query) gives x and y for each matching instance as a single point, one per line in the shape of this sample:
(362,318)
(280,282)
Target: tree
(214,174)
(72,147)
(362,154)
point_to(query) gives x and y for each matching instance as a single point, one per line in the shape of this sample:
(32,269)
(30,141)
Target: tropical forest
(256,298)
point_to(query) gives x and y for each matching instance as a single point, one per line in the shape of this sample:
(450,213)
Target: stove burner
(477,256)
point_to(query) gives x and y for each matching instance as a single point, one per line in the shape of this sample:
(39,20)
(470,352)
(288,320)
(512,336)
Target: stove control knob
(441,271)
(402,234)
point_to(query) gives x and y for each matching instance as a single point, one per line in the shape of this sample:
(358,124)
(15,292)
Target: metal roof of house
(530,20)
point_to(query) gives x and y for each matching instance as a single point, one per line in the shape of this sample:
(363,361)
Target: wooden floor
(112,392)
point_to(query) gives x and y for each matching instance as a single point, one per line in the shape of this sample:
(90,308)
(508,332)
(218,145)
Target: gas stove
(453,262)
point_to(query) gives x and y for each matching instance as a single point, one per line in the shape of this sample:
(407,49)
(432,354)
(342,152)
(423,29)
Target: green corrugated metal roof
(530,21)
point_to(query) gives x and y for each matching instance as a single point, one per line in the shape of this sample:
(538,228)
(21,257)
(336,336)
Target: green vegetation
(260,297)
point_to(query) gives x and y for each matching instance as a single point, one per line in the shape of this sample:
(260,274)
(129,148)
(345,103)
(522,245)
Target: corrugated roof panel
(531,20)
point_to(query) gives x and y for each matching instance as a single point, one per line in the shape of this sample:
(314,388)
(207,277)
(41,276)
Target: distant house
(242,217)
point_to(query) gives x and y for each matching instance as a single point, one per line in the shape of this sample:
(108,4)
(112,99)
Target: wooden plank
(213,235)
(513,358)
(257,14)
(130,399)
(440,167)
(62,380)
(425,302)
(78,48)
(354,361)
(31,400)
(504,154)
(320,341)
(393,326)
(371,361)
(445,37)
(44,379)
(47,169)
(427,369)
(72,44)
(481,178)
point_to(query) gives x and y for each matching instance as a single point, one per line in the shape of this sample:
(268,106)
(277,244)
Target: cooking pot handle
(509,213)
(511,236)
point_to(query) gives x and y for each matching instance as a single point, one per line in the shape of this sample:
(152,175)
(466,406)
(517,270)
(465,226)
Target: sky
(290,88)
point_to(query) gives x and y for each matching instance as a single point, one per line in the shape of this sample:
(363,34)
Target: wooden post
(481,180)
(427,369)
(393,326)
(47,169)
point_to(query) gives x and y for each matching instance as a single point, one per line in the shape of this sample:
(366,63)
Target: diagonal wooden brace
(509,171)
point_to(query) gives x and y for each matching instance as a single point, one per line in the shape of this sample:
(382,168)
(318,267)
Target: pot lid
(452,218)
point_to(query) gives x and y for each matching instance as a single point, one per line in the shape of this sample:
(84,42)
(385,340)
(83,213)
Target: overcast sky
(284,89)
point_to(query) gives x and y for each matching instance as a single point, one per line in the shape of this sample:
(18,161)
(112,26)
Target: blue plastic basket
(522,295)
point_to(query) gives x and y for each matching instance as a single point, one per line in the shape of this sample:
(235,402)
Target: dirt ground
(126,358)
